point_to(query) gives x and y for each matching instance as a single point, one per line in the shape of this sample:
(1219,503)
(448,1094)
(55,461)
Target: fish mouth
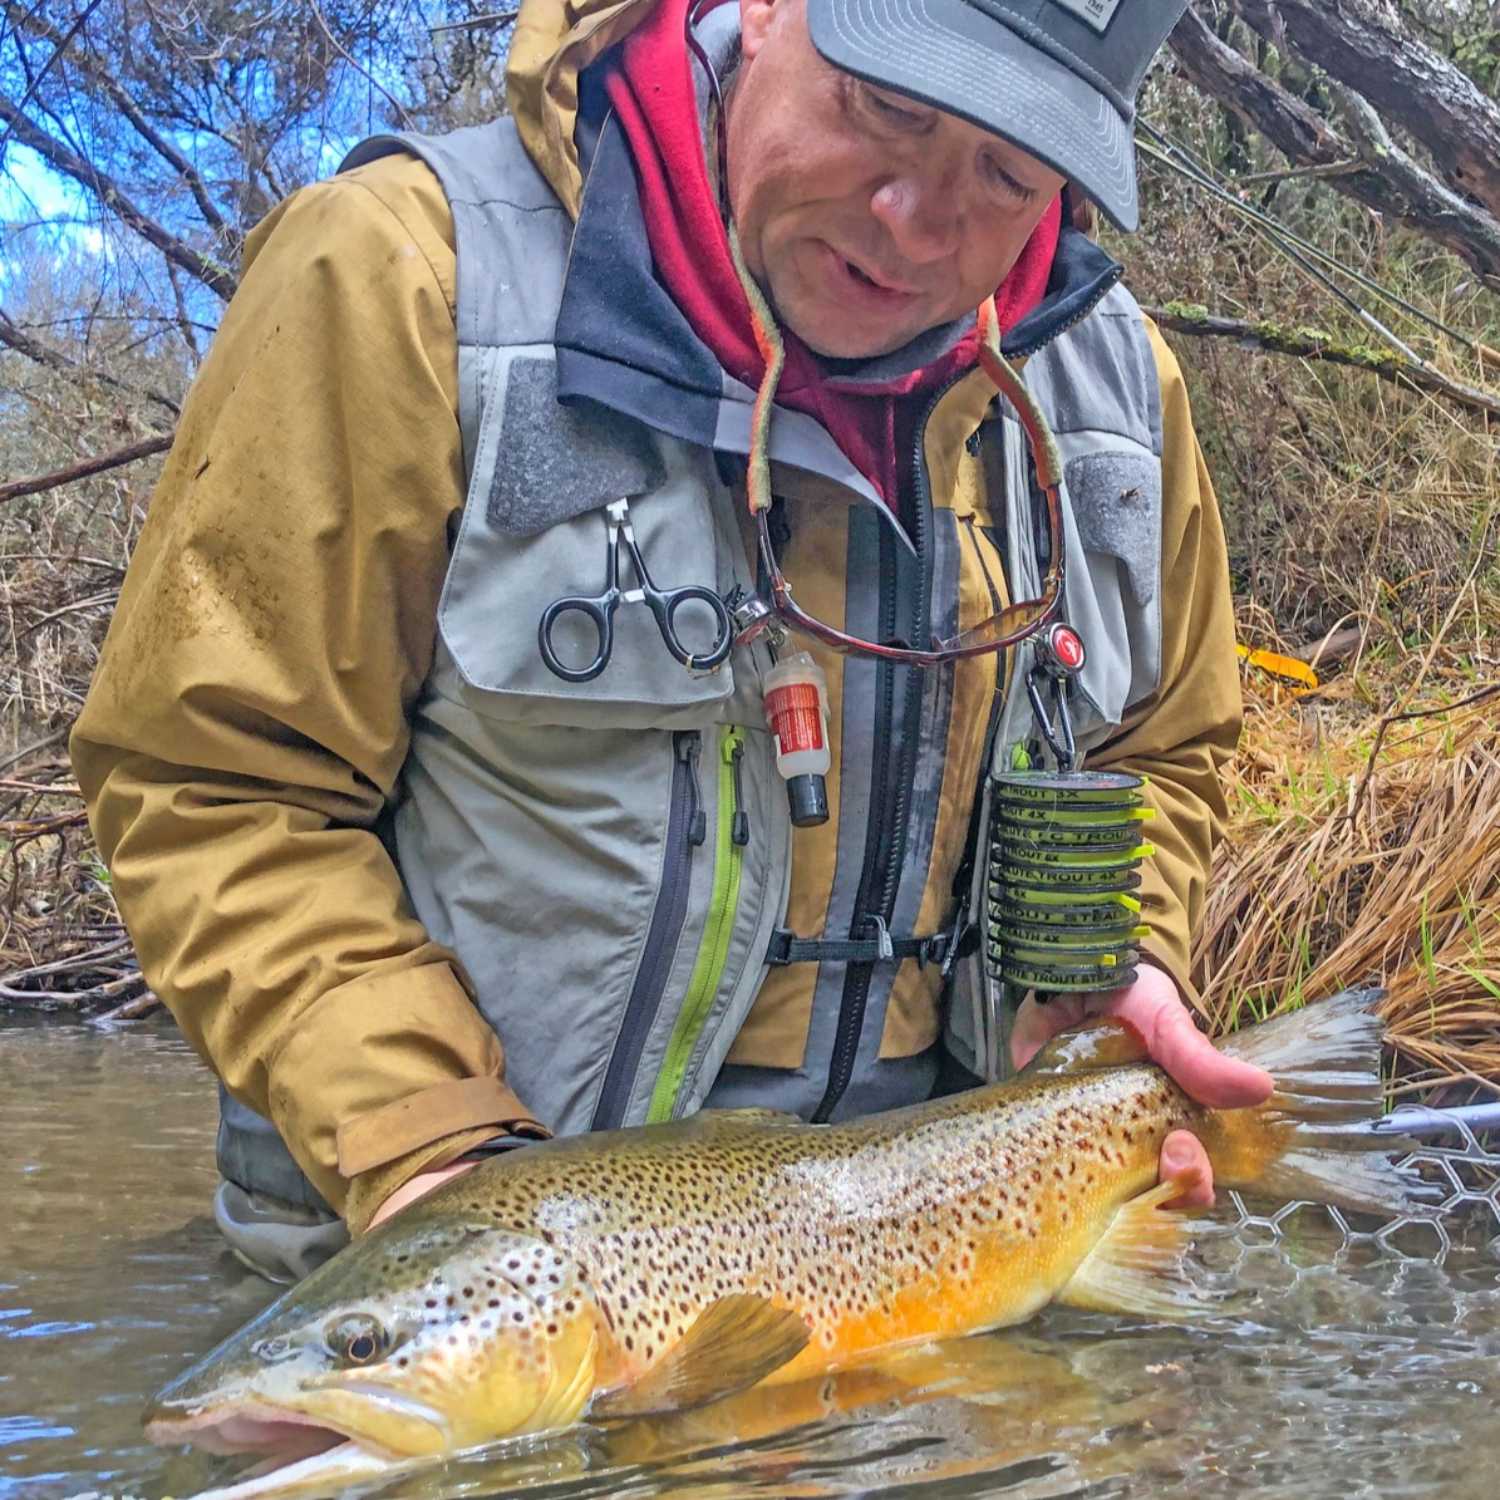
(349,1411)
(245,1427)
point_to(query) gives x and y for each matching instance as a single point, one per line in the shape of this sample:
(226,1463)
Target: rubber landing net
(1458,1151)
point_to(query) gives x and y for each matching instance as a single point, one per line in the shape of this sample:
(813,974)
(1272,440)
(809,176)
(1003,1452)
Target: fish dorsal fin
(1103,1043)
(1140,1264)
(736,1341)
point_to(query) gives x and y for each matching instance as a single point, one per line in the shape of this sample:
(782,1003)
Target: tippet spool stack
(1064,851)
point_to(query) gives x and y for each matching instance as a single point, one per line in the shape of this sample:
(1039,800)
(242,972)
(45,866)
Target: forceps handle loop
(602,616)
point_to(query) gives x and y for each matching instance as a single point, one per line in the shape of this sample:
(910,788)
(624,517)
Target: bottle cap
(807,799)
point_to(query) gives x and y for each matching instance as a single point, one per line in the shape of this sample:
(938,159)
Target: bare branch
(22,343)
(364,72)
(109,193)
(61,45)
(1292,174)
(107,600)
(491,18)
(121,456)
(122,101)
(1310,343)
(1434,206)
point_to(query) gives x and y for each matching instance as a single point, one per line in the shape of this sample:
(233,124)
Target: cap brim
(952,55)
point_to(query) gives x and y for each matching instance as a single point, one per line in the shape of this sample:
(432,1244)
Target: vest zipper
(892,775)
(684,819)
(892,772)
(733,834)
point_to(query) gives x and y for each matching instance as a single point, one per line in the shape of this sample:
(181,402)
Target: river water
(1341,1372)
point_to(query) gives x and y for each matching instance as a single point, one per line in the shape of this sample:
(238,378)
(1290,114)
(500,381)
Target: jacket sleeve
(1182,736)
(248,719)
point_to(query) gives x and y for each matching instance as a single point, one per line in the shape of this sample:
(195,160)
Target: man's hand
(1153,1008)
(418,1187)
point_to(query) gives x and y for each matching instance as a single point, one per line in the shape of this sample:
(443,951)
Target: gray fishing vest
(609,859)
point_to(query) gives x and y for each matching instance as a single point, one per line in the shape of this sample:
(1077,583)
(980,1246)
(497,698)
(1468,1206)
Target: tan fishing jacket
(250,718)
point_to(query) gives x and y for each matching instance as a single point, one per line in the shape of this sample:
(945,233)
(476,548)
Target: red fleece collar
(651,89)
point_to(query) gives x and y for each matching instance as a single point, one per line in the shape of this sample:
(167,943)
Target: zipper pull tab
(689,745)
(739,820)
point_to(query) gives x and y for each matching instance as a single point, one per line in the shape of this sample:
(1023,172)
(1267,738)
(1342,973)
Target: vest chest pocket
(1113,539)
(535,530)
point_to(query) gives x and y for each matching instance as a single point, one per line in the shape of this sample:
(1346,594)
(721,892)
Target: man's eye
(1003,182)
(889,110)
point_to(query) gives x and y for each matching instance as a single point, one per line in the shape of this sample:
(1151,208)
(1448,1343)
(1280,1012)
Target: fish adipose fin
(1141,1263)
(738,1340)
(1315,1138)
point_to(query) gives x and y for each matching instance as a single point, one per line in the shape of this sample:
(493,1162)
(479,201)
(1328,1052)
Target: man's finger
(1036,1024)
(1188,1057)
(1184,1162)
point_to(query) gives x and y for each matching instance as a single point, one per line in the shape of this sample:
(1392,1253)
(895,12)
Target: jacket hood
(553,42)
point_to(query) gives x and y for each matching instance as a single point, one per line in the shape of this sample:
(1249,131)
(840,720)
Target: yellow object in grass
(1286,667)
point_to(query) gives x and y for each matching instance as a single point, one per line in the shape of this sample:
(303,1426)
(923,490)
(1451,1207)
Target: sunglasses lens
(1012,622)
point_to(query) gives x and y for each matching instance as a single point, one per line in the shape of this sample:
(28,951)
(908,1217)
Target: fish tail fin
(1316,1137)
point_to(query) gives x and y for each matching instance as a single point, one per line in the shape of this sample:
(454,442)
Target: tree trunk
(1411,85)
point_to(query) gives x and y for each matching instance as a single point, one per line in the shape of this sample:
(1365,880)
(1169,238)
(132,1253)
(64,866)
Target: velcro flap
(556,461)
(1116,498)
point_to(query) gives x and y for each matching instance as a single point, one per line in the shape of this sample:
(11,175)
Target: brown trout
(661,1267)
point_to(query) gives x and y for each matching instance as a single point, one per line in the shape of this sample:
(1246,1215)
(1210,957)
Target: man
(363,833)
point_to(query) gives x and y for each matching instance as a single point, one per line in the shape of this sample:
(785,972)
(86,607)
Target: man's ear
(757,19)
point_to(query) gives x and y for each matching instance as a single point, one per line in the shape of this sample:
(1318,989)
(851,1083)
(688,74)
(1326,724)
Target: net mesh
(1459,1154)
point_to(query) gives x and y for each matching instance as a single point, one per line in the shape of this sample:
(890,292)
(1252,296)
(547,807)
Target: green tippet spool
(1064,852)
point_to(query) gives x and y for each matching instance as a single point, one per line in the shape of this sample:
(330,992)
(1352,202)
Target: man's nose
(920,217)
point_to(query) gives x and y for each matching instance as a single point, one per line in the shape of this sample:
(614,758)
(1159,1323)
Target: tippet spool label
(794,714)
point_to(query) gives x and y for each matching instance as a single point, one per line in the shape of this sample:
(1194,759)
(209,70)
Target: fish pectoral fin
(1140,1265)
(738,1340)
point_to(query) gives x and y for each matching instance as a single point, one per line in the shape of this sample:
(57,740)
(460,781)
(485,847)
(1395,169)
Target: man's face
(865,217)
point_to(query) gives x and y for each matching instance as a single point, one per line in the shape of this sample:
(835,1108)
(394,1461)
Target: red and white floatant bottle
(796,700)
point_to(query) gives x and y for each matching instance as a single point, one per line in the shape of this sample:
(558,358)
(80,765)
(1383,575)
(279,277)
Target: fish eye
(358,1338)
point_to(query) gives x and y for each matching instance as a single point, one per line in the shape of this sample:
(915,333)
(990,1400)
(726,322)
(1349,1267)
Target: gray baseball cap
(1059,78)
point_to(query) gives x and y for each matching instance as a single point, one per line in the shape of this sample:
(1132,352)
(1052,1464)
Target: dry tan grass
(1343,870)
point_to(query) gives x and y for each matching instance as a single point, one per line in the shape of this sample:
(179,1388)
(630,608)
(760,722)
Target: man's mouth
(869,281)
(879,283)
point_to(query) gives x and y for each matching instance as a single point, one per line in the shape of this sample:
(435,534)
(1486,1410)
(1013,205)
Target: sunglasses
(1009,626)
